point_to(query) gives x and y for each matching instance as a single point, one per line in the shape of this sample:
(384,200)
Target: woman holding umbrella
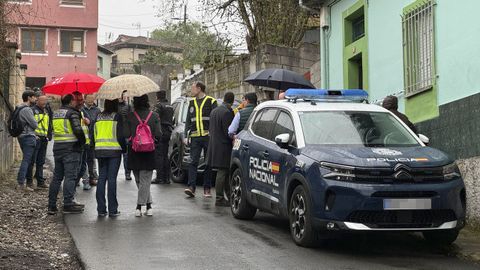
(141,163)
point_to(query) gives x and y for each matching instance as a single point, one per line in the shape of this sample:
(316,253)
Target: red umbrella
(71,82)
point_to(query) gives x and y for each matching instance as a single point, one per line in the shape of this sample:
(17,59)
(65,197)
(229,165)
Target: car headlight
(451,172)
(338,172)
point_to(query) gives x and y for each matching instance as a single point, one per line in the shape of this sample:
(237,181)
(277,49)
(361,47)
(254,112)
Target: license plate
(406,204)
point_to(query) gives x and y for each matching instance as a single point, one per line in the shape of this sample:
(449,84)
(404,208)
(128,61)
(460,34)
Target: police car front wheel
(301,226)
(240,207)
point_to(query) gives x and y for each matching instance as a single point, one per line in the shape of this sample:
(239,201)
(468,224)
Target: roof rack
(323,95)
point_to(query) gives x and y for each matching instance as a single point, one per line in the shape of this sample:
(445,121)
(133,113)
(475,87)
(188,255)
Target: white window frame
(72,54)
(418,26)
(62,4)
(17,2)
(44,53)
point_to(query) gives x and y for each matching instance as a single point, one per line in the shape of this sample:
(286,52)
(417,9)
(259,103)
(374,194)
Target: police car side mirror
(424,139)
(282,140)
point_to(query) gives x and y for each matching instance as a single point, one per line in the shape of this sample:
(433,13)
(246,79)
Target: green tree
(158,56)
(196,40)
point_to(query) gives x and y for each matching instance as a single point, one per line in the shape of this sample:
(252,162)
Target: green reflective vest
(43,121)
(200,120)
(62,129)
(105,133)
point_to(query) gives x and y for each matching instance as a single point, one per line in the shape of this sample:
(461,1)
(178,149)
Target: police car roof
(301,105)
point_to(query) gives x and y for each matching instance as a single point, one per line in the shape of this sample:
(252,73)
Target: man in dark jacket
(165,111)
(44,134)
(391,103)
(220,147)
(124,109)
(92,111)
(197,128)
(69,140)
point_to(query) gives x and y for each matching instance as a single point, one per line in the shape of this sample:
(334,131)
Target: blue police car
(328,162)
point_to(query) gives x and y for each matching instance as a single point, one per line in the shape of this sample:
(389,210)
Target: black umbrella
(278,78)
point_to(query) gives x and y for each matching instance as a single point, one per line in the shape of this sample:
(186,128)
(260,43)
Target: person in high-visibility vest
(109,144)
(85,123)
(43,134)
(196,126)
(69,140)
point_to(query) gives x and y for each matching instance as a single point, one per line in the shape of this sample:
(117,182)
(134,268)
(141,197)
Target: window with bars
(72,2)
(33,40)
(418,47)
(72,42)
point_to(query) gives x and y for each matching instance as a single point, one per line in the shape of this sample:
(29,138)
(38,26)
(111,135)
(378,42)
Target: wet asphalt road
(194,234)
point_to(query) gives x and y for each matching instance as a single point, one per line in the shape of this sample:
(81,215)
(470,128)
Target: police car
(328,161)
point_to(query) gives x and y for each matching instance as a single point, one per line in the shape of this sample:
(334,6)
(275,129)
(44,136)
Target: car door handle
(265,154)
(245,147)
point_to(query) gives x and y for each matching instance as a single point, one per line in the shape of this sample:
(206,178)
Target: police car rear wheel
(441,237)
(240,207)
(301,227)
(178,175)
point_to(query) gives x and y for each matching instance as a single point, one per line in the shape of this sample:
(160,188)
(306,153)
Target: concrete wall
(160,74)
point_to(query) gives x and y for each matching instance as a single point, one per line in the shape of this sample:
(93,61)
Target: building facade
(128,50)
(423,51)
(104,62)
(56,37)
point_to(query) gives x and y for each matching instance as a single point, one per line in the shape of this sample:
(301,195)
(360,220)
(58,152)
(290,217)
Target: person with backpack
(69,141)
(143,129)
(23,126)
(44,134)
(109,146)
(165,111)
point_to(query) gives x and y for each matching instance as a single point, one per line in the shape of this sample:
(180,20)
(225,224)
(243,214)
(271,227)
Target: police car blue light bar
(323,94)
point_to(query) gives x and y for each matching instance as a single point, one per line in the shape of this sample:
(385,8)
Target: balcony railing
(126,68)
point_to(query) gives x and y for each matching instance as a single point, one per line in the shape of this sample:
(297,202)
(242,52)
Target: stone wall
(160,74)
(222,77)
(471,174)
(12,84)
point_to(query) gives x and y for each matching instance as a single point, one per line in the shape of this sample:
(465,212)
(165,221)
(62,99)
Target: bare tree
(278,22)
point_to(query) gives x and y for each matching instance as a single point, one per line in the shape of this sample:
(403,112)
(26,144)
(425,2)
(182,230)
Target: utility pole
(139,26)
(185,16)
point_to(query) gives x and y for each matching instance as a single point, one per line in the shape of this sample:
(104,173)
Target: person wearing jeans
(27,139)
(66,166)
(109,144)
(44,134)
(69,140)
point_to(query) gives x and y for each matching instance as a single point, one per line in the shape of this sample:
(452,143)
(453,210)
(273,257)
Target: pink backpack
(143,139)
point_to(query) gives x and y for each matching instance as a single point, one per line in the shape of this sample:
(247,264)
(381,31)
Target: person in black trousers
(165,111)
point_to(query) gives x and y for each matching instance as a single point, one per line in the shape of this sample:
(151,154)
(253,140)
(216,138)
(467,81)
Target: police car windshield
(371,129)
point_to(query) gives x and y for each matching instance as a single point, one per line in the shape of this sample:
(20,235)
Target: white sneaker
(138,213)
(149,212)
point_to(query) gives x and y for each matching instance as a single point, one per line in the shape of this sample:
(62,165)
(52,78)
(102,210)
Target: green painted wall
(457,52)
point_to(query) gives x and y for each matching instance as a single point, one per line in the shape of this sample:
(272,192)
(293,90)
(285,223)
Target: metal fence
(6,141)
(418,48)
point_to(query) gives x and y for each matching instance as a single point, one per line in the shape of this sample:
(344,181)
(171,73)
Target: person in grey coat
(220,147)
(142,163)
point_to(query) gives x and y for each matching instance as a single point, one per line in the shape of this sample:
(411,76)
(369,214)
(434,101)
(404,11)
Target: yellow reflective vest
(199,119)
(105,133)
(85,130)
(43,121)
(62,128)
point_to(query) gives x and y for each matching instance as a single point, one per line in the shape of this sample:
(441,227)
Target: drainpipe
(324,52)
(324,26)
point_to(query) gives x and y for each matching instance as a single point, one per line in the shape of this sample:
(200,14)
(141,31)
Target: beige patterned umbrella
(134,85)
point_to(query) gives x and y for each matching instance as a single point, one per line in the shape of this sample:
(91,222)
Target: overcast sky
(140,17)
